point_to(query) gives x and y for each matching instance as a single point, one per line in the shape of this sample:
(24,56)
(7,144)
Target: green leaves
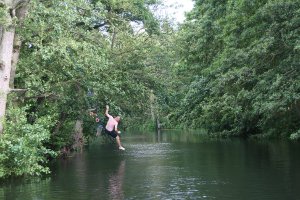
(247,55)
(77,55)
(22,150)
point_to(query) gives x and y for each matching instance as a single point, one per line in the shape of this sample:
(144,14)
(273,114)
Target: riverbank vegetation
(231,68)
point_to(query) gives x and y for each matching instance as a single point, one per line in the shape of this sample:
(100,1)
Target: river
(169,165)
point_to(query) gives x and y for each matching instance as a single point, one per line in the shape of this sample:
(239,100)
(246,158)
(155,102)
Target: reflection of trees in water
(187,136)
(116,183)
(80,169)
(22,189)
(158,136)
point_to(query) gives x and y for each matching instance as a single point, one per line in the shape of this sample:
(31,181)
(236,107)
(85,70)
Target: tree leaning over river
(71,61)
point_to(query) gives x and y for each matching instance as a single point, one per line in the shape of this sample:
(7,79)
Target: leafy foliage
(231,68)
(22,150)
(247,53)
(69,65)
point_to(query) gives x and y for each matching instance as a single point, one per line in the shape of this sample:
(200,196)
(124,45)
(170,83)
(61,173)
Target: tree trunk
(154,111)
(152,106)
(16,8)
(6,53)
(78,135)
(62,118)
(21,11)
(113,39)
(15,58)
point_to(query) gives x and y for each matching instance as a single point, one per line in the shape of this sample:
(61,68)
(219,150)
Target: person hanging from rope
(111,127)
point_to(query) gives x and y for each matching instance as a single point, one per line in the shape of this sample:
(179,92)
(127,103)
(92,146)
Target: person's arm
(116,129)
(106,112)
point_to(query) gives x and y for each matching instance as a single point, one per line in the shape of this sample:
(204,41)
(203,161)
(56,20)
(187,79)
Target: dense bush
(22,150)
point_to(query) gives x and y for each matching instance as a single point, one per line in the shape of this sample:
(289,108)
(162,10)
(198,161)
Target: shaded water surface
(170,165)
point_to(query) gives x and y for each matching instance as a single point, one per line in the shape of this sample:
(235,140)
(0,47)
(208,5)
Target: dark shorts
(111,133)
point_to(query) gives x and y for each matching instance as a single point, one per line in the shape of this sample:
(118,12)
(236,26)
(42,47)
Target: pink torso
(110,126)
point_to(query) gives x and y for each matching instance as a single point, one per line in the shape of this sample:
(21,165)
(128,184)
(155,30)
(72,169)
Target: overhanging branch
(18,90)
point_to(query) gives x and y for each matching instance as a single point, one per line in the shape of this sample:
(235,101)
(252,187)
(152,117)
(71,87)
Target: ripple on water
(188,187)
(151,150)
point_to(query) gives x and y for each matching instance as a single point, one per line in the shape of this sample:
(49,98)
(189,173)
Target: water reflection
(116,183)
(171,165)
(158,135)
(21,188)
(194,136)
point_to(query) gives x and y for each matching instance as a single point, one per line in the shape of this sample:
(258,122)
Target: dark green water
(170,166)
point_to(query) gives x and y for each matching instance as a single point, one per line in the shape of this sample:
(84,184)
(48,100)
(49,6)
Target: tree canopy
(242,61)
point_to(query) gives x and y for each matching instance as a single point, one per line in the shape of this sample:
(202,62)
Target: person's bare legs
(119,143)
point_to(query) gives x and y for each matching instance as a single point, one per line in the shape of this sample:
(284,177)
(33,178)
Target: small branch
(41,96)
(99,25)
(18,90)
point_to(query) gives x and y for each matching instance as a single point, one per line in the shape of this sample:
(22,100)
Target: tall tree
(10,10)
